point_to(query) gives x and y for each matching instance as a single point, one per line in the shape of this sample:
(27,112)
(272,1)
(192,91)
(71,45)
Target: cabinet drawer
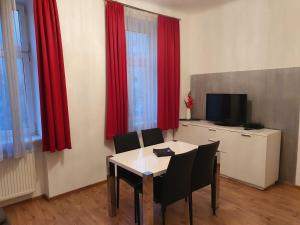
(198,135)
(192,134)
(186,133)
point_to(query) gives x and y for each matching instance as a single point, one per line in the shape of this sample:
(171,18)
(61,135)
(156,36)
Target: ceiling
(188,5)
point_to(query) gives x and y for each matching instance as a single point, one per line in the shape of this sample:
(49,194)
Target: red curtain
(168,72)
(117,96)
(52,84)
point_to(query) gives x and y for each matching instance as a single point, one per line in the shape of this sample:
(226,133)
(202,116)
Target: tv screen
(227,109)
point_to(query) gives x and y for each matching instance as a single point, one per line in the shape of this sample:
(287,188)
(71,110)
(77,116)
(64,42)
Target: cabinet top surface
(204,123)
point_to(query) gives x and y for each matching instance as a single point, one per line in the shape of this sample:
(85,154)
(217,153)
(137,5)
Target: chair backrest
(152,136)
(126,142)
(177,180)
(203,167)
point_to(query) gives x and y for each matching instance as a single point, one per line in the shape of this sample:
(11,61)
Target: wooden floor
(239,205)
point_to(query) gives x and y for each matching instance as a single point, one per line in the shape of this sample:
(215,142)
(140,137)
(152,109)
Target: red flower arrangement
(189,101)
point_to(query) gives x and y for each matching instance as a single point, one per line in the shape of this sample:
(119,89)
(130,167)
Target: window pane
(23,80)
(5,112)
(17,31)
(25,117)
(1,37)
(17,27)
(137,77)
(141,43)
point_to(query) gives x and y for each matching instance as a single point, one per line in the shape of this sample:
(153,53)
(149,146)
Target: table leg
(148,203)
(111,188)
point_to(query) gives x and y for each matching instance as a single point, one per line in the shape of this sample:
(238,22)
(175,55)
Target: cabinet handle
(211,129)
(185,125)
(246,135)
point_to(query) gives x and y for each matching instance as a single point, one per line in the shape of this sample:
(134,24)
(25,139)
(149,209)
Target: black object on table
(163,152)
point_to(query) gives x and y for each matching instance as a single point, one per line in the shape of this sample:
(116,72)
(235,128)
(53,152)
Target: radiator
(17,177)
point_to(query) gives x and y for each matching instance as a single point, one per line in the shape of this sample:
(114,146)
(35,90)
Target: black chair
(3,219)
(176,183)
(152,137)
(204,168)
(124,143)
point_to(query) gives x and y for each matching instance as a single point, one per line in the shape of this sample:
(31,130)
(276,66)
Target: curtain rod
(144,10)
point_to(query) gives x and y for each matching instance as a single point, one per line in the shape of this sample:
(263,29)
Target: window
(141,42)
(25,98)
(27,69)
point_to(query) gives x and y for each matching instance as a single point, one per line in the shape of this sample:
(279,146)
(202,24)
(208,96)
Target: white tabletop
(143,160)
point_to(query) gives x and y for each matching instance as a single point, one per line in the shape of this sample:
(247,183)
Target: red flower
(189,101)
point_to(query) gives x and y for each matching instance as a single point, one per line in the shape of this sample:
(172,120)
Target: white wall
(238,35)
(298,159)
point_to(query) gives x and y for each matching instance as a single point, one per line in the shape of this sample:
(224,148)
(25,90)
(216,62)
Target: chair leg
(163,214)
(137,207)
(118,192)
(191,208)
(213,197)
(214,188)
(138,210)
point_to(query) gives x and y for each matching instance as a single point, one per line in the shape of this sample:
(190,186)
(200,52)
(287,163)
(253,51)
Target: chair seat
(2,216)
(130,178)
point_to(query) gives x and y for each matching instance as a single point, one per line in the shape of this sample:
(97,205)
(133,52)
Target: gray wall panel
(274,97)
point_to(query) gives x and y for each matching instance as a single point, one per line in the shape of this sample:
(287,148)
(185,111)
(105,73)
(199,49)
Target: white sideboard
(250,156)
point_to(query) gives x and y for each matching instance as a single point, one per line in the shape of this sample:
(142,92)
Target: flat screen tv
(226,109)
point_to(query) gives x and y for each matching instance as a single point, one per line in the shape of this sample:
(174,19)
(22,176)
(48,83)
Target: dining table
(144,163)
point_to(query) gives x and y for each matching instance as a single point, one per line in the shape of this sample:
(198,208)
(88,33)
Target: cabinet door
(227,145)
(193,134)
(208,135)
(186,133)
(249,159)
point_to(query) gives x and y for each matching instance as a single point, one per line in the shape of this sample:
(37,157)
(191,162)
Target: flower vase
(188,114)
